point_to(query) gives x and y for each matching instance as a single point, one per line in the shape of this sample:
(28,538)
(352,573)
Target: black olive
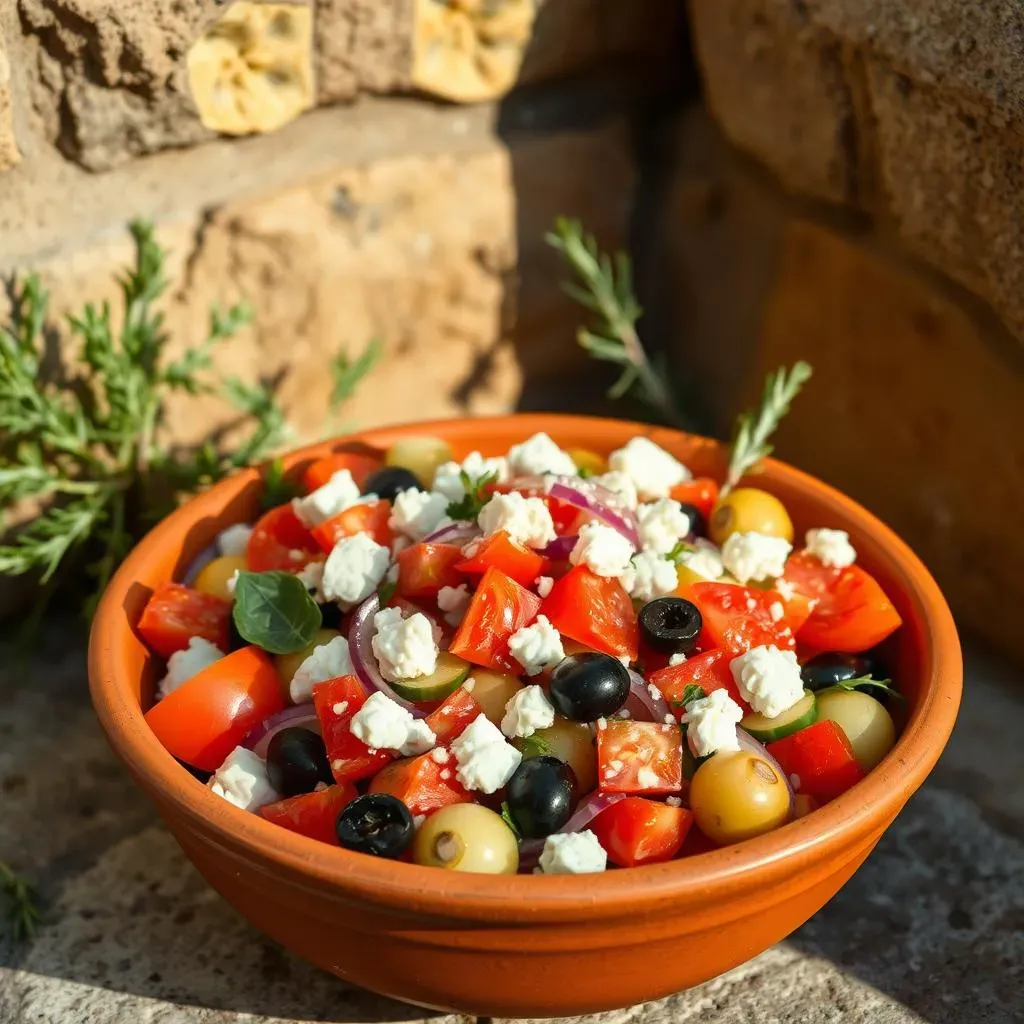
(824,670)
(585,687)
(378,824)
(698,524)
(297,761)
(670,625)
(387,482)
(541,795)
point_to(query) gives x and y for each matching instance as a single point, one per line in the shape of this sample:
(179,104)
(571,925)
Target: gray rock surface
(930,931)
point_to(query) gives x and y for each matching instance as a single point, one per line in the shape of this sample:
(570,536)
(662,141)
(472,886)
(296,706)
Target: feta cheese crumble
(338,494)
(183,665)
(312,575)
(404,648)
(776,611)
(453,601)
(537,646)
(448,476)
(711,723)
(539,454)
(327,661)
(572,853)
(833,547)
(234,540)
(485,761)
(755,556)
(661,525)
(654,471)
(544,585)
(416,513)
(354,569)
(705,560)
(768,679)
(527,711)
(602,549)
(648,576)
(676,659)
(619,484)
(384,725)
(242,780)
(527,521)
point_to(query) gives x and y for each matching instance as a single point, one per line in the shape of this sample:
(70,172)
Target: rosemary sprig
(21,910)
(861,682)
(606,289)
(753,429)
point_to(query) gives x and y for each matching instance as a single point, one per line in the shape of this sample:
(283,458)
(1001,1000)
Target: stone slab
(929,931)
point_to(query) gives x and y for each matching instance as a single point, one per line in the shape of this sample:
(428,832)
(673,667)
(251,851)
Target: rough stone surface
(9,152)
(928,932)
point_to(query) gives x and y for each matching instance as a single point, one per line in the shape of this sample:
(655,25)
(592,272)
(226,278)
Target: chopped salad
(546,661)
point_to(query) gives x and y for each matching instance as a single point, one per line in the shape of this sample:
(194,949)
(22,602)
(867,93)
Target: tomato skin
(312,814)
(638,831)
(701,493)
(594,610)
(737,618)
(350,758)
(567,518)
(500,552)
(626,748)
(367,517)
(423,785)
(280,541)
(424,569)
(821,757)
(321,471)
(175,614)
(849,610)
(709,670)
(498,609)
(204,719)
(456,712)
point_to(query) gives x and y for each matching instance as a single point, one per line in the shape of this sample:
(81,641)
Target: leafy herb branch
(477,494)
(20,909)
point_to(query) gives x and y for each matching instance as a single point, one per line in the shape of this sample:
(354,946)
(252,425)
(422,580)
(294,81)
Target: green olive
(749,510)
(213,577)
(420,455)
(467,837)
(493,691)
(571,742)
(867,724)
(288,664)
(736,795)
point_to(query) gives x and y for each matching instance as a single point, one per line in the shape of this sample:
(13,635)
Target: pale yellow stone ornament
(470,50)
(252,71)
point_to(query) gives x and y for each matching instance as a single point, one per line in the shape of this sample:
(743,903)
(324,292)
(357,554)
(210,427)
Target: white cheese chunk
(384,725)
(416,513)
(453,601)
(621,485)
(711,723)
(755,556)
(705,560)
(649,575)
(404,648)
(485,760)
(572,853)
(242,780)
(833,547)
(183,665)
(338,494)
(654,471)
(527,521)
(234,540)
(768,679)
(327,661)
(662,524)
(677,659)
(602,549)
(539,454)
(527,711)
(354,569)
(544,585)
(536,647)
(448,476)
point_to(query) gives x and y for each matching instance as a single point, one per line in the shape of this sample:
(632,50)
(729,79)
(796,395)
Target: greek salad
(549,660)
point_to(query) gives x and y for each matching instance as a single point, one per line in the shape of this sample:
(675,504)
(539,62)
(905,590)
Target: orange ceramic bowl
(528,946)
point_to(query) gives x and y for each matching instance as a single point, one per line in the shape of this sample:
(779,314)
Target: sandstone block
(9,153)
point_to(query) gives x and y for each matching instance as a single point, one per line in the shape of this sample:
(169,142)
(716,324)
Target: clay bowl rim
(854,819)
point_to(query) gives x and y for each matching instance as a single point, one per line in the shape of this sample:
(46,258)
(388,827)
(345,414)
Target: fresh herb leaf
(681,548)
(277,488)
(753,428)
(386,591)
(534,746)
(347,373)
(506,816)
(478,493)
(21,910)
(585,472)
(275,611)
(691,692)
(866,682)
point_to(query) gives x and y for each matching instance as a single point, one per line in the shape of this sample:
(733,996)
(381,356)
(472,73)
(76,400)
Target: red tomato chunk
(312,814)
(424,569)
(710,671)
(502,553)
(639,757)
(819,760)
(367,517)
(336,701)
(175,614)
(638,831)
(321,471)
(423,784)
(449,720)
(737,618)
(595,611)
(280,541)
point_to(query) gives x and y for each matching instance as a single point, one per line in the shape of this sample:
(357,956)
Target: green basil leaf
(533,746)
(691,692)
(277,488)
(506,816)
(273,610)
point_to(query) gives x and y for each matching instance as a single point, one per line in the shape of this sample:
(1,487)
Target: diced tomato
(175,614)
(423,785)
(595,610)
(500,552)
(204,719)
(280,541)
(312,814)
(701,493)
(738,618)
(639,757)
(819,760)
(498,609)
(710,671)
(358,464)
(567,518)
(336,701)
(796,608)
(424,569)
(367,517)
(850,610)
(638,831)
(458,710)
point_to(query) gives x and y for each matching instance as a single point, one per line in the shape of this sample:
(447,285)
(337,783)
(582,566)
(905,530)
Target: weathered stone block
(9,153)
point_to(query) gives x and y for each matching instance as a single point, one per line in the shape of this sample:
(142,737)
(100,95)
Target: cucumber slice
(803,713)
(449,675)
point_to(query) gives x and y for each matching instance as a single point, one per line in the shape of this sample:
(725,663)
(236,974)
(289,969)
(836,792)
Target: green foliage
(275,611)
(20,908)
(478,493)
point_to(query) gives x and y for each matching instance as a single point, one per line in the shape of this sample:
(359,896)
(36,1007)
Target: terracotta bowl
(528,946)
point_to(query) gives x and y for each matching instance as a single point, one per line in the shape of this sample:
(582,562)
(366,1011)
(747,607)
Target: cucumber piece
(802,714)
(450,674)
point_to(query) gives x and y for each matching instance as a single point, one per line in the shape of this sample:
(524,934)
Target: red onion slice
(588,810)
(597,501)
(560,548)
(364,661)
(752,746)
(645,703)
(199,563)
(299,715)
(453,533)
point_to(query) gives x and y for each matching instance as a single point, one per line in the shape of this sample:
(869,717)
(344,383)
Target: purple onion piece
(644,705)
(598,503)
(453,533)
(752,746)
(299,715)
(588,810)
(560,548)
